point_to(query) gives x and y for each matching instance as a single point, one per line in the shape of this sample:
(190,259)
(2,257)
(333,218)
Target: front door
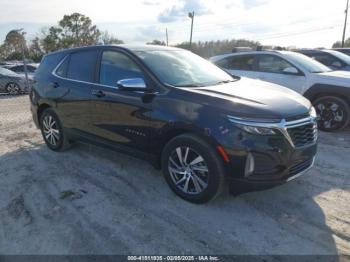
(271,69)
(117,115)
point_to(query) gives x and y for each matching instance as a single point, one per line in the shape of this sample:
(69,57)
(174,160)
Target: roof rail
(238,49)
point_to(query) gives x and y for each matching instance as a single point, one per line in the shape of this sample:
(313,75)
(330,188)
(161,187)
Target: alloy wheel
(188,170)
(51,131)
(329,114)
(13,89)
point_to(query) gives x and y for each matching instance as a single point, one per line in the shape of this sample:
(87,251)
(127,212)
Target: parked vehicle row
(13,80)
(12,83)
(328,90)
(331,58)
(196,122)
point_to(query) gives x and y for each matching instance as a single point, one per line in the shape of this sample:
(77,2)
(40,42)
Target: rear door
(72,87)
(239,65)
(120,116)
(271,69)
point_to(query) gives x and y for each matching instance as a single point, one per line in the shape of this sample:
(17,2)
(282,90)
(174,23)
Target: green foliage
(338,44)
(212,48)
(156,42)
(72,31)
(108,39)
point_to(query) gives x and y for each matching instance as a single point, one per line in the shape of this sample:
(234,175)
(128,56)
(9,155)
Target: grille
(303,135)
(299,167)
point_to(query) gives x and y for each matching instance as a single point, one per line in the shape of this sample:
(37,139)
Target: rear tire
(199,176)
(52,131)
(333,113)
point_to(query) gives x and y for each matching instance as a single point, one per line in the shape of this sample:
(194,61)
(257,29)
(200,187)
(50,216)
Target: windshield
(343,57)
(183,68)
(306,62)
(7,72)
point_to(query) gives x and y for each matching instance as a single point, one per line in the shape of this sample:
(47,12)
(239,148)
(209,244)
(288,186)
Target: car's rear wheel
(333,113)
(52,131)
(13,88)
(192,168)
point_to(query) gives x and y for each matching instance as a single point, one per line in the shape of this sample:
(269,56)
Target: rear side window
(82,66)
(63,68)
(272,64)
(116,66)
(325,59)
(48,64)
(244,62)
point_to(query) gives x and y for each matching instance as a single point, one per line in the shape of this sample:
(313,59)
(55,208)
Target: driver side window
(272,64)
(116,66)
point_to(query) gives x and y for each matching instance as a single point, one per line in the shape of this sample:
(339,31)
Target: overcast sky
(300,23)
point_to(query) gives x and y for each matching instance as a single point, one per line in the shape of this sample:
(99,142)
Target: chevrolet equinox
(197,123)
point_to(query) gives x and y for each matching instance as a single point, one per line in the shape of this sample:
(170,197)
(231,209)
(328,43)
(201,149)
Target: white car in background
(329,91)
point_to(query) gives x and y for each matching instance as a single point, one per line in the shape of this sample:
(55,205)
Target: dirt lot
(94,201)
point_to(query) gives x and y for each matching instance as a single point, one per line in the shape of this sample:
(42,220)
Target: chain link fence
(14,111)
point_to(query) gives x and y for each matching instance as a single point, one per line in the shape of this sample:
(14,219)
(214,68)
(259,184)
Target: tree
(156,42)
(35,51)
(72,31)
(338,44)
(211,48)
(13,45)
(108,39)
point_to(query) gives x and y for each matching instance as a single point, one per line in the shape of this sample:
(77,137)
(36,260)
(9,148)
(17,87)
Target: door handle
(54,84)
(98,93)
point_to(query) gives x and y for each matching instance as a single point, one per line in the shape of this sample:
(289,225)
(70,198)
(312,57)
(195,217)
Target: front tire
(192,168)
(13,89)
(52,131)
(333,113)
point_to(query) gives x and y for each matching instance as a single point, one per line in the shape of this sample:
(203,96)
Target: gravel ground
(95,201)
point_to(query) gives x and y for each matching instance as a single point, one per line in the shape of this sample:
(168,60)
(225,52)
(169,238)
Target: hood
(333,78)
(255,99)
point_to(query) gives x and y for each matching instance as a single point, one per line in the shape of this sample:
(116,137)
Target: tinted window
(62,69)
(18,68)
(272,63)
(116,66)
(82,66)
(245,62)
(48,64)
(324,58)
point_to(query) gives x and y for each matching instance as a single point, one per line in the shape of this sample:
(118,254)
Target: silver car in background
(12,83)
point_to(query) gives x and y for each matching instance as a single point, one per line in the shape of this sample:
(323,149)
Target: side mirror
(132,84)
(290,71)
(336,64)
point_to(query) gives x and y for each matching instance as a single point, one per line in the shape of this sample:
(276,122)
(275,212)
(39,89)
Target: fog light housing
(249,165)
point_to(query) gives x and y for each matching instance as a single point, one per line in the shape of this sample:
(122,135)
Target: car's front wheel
(333,113)
(52,131)
(193,168)
(13,89)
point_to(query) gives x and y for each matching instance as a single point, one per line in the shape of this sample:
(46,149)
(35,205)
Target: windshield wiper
(189,85)
(224,82)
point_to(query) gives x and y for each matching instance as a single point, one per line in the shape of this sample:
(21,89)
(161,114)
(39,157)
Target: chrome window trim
(282,125)
(74,80)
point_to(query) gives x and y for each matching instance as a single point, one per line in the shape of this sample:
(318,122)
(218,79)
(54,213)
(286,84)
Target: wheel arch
(319,90)
(169,134)
(41,109)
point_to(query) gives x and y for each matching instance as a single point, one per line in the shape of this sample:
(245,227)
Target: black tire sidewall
(341,102)
(214,163)
(50,112)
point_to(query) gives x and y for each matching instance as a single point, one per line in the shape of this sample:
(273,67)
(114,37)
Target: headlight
(313,112)
(257,130)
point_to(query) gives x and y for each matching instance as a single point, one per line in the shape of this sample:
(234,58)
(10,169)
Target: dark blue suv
(201,126)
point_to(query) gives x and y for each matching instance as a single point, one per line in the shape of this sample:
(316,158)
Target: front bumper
(244,185)
(275,160)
